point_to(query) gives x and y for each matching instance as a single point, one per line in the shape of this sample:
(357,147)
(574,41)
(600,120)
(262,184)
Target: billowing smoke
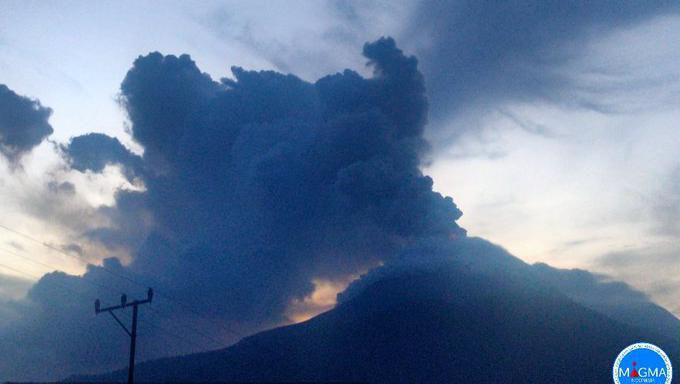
(23,123)
(264,182)
(253,187)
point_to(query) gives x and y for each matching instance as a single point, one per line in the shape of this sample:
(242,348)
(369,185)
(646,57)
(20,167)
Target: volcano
(472,314)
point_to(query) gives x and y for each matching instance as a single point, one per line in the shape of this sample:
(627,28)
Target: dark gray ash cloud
(253,188)
(266,181)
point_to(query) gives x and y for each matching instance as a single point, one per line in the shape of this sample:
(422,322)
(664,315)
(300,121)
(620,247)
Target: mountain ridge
(446,319)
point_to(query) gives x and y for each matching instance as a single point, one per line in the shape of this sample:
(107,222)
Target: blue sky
(554,130)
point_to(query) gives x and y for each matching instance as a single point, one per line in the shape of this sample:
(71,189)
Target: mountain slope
(612,298)
(487,320)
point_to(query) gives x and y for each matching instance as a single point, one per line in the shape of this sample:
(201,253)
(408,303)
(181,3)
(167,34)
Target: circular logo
(642,363)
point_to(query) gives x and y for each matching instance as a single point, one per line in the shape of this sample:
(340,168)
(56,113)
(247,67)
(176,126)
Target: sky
(553,128)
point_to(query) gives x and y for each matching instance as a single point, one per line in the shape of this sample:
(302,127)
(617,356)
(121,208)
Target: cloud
(64,187)
(13,288)
(23,123)
(261,186)
(55,330)
(261,180)
(667,208)
(659,263)
(612,298)
(484,54)
(256,187)
(94,151)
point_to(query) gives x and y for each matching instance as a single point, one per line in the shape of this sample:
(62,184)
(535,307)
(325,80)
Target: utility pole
(133,332)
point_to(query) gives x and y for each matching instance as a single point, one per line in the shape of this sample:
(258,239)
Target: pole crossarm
(120,323)
(132,332)
(124,303)
(130,304)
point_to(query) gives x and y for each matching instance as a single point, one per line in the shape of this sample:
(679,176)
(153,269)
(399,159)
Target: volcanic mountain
(450,310)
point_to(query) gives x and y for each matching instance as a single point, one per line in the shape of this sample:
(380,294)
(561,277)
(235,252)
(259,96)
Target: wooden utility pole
(133,332)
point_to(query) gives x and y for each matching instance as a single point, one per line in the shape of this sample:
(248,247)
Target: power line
(169,336)
(96,284)
(158,293)
(38,277)
(205,335)
(157,326)
(197,313)
(54,268)
(31,276)
(171,333)
(127,278)
(7,251)
(47,245)
(157,316)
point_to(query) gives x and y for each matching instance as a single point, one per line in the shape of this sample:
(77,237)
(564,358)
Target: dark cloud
(23,123)
(11,289)
(254,187)
(95,151)
(130,221)
(486,53)
(56,332)
(266,181)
